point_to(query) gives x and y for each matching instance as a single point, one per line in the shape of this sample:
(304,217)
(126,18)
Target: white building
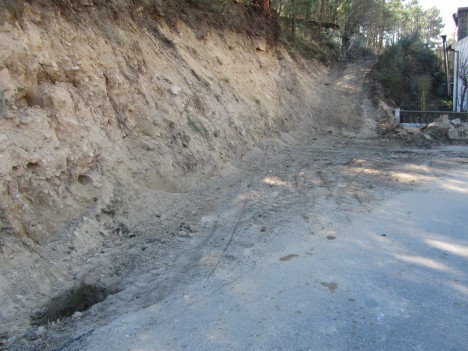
(460,61)
(460,67)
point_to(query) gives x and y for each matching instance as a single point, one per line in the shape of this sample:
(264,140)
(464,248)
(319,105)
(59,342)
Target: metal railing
(406,116)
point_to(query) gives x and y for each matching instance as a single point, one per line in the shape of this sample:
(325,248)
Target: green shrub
(447,103)
(399,67)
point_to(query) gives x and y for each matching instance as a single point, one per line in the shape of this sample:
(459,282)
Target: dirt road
(393,278)
(311,241)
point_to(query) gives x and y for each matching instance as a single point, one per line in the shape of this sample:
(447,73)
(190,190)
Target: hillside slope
(98,100)
(101,104)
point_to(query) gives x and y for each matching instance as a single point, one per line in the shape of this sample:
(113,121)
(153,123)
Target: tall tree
(294,19)
(432,26)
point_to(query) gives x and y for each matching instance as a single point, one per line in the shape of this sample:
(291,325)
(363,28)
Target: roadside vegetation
(352,24)
(409,73)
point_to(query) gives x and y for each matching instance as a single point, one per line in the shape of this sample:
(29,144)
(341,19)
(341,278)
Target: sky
(447,8)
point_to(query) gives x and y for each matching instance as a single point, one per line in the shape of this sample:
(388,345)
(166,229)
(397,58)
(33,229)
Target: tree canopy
(381,22)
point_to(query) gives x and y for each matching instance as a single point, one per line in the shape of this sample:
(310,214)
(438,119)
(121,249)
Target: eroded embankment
(100,103)
(97,101)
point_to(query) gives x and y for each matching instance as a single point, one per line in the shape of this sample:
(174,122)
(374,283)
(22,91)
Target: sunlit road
(394,278)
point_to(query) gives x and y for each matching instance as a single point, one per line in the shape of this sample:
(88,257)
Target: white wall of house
(460,58)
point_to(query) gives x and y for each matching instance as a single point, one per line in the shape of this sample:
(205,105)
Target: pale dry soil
(189,269)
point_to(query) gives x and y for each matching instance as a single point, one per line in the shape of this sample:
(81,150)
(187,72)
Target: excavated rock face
(99,102)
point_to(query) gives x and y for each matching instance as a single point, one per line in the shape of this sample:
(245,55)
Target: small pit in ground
(84,179)
(77,299)
(33,167)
